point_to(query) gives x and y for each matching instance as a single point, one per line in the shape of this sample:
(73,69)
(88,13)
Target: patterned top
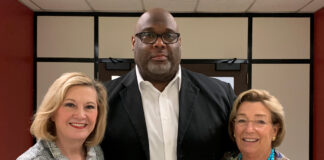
(231,156)
(47,150)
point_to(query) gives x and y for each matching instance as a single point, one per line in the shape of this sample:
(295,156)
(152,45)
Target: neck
(72,149)
(256,156)
(160,85)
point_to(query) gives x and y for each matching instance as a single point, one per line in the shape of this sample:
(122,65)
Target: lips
(78,125)
(159,57)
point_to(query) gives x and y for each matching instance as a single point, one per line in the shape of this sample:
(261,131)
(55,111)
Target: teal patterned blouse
(233,156)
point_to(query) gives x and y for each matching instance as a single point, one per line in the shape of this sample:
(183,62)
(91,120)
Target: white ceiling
(177,6)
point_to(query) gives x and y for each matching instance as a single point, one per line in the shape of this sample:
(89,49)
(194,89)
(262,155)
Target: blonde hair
(270,102)
(44,128)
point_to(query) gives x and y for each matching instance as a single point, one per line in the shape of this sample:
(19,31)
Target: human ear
(275,129)
(179,40)
(133,42)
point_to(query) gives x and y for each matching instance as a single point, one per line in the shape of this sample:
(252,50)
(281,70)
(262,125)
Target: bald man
(161,111)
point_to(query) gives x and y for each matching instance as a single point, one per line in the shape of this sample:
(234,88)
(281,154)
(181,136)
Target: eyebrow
(241,114)
(94,103)
(68,99)
(260,115)
(89,102)
(256,115)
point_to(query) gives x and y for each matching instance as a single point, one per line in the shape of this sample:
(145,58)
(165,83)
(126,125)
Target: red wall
(16,71)
(318,142)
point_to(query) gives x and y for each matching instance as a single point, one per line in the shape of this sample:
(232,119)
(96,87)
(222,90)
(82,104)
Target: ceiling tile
(313,6)
(116,5)
(185,6)
(172,5)
(63,5)
(223,6)
(30,5)
(275,6)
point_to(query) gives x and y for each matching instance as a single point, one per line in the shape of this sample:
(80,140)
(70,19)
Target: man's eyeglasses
(151,37)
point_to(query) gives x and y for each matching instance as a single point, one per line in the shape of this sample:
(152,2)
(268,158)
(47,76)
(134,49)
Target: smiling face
(76,117)
(253,129)
(157,62)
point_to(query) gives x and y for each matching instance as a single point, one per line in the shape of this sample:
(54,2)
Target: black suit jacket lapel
(187,98)
(132,102)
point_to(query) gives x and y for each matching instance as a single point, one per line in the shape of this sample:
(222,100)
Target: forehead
(253,109)
(158,22)
(81,91)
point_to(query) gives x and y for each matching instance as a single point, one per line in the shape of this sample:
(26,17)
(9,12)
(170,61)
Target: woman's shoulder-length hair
(44,128)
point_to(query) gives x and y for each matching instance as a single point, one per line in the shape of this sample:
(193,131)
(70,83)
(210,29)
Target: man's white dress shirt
(161,111)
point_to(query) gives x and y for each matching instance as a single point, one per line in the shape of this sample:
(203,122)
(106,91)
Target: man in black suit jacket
(160,110)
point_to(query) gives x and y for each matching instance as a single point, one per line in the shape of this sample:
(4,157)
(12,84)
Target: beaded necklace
(271,157)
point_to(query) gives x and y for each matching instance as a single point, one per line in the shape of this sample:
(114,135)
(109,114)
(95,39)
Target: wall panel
(115,36)
(65,36)
(281,38)
(213,37)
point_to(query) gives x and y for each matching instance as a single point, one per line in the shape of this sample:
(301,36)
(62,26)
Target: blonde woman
(71,120)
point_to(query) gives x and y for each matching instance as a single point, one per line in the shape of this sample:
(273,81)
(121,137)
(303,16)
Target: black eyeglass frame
(139,35)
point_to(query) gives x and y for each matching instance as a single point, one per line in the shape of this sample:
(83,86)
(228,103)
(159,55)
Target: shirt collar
(141,80)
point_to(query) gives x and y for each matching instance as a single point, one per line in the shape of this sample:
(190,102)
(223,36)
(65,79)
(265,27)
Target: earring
(273,138)
(234,135)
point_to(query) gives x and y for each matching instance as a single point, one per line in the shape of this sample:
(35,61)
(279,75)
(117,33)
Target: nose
(159,43)
(250,127)
(80,113)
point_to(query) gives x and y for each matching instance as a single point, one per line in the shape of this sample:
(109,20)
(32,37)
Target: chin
(249,150)
(159,68)
(79,136)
